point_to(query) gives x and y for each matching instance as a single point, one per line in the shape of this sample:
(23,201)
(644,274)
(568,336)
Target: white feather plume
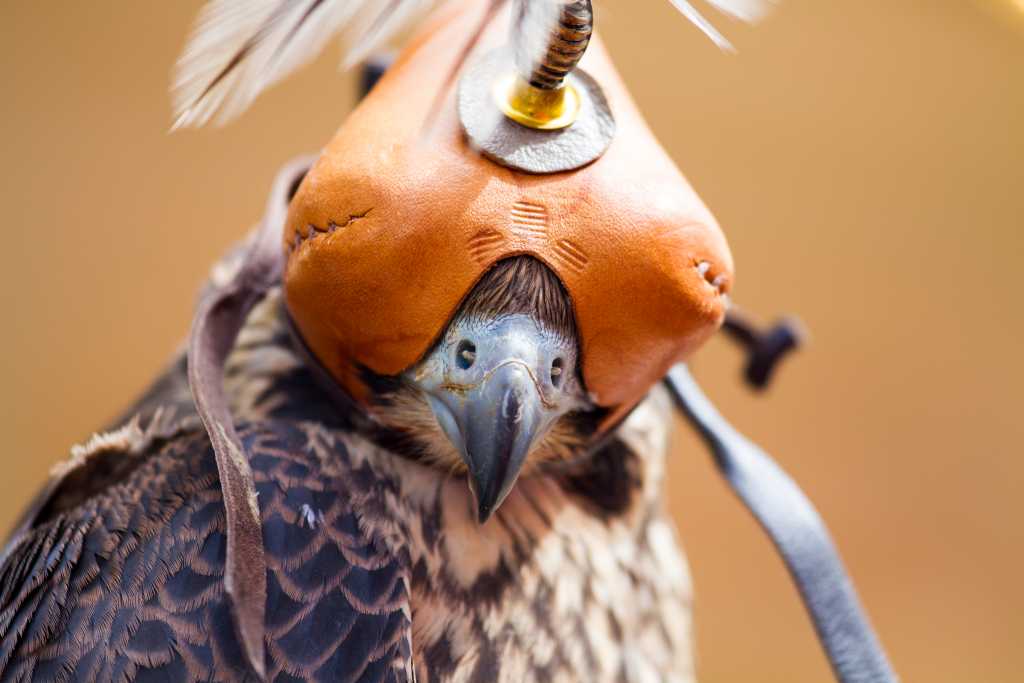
(239,48)
(745,10)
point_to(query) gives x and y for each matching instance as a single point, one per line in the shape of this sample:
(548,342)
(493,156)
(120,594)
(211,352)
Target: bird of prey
(378,568)
(288,502)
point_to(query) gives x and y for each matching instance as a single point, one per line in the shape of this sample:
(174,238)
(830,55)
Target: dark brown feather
(130,583)
(523,285)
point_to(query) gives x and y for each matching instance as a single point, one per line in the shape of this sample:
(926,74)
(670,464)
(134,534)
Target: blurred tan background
(866,158)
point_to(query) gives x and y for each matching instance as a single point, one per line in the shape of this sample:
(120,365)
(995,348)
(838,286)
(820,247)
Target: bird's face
(497,386)
(500,392)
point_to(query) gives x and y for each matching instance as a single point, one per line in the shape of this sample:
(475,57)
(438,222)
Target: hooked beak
(502,422)
(494,426)
(498,405)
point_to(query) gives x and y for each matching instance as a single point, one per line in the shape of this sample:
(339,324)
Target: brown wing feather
(129,584)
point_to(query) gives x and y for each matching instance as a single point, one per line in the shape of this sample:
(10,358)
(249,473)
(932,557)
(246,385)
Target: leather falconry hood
(401,215)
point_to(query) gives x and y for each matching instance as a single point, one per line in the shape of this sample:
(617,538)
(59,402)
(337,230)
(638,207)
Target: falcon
(417,434)
(378,565)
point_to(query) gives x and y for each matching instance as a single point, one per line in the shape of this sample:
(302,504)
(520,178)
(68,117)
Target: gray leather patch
(526,149)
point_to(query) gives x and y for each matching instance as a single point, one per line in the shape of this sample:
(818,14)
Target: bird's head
(500,392)
(493,318)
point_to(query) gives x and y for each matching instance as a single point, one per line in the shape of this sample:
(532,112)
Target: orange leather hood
(399,218)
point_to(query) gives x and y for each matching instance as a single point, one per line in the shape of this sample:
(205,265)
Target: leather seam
(313,230)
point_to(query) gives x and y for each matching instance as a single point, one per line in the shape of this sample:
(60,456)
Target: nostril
(465,354)
(557,368)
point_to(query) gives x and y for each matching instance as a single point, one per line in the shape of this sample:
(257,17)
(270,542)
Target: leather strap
(799,535)
(222,311)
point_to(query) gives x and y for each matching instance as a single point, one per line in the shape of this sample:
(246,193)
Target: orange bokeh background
(866,159)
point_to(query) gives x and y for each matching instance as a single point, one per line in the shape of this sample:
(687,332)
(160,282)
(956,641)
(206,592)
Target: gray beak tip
(483,513)
(484,505)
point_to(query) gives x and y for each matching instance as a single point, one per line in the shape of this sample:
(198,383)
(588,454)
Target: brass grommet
(535,107)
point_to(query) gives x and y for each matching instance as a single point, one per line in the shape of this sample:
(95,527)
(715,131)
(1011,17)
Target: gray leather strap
(798,533)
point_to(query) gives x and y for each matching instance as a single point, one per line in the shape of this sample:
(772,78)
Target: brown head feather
(522,284)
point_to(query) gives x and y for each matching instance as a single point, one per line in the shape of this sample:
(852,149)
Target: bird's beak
(496,410)
(503,421)
(494,426)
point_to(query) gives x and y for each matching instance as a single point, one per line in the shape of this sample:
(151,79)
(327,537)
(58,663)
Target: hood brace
(784,512)
(798,533)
